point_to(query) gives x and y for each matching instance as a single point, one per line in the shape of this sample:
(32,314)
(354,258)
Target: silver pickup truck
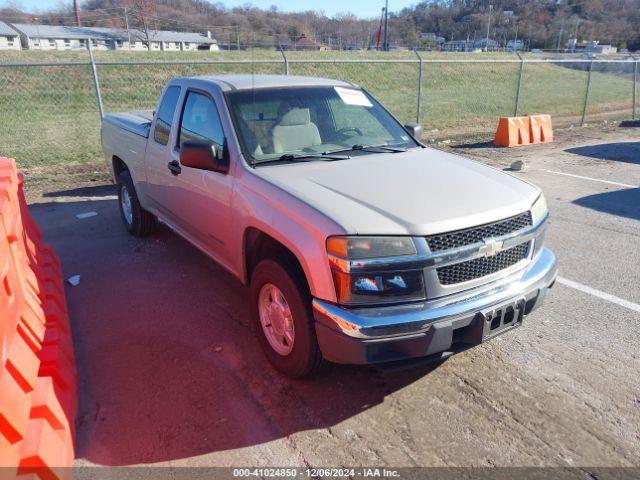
(358,243)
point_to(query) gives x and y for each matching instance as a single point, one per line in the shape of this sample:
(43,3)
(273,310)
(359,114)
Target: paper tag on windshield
(353,97)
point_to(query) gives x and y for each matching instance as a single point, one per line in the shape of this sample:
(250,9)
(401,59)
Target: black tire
(305,356)
(141,222)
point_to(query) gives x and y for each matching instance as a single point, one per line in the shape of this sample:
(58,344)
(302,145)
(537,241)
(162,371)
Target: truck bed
(124,136)
(137,121)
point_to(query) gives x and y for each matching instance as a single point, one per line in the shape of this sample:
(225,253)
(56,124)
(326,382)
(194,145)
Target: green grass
(49,115)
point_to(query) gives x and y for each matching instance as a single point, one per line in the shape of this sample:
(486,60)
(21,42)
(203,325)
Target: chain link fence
(50,114)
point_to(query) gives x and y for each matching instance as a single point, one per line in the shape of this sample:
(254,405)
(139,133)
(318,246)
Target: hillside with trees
(539,23)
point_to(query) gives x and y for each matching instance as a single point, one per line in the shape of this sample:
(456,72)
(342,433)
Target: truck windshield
(286,122)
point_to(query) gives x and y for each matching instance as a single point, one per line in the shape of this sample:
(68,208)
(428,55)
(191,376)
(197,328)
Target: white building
(513,45)
(476,45)
(431,37)
(594,46)
(170,41)
(50,37)
(604,49)
(9,38)
(54,37)
(119,39)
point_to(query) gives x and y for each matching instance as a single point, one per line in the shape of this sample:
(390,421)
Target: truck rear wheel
(282,319)
(136,219)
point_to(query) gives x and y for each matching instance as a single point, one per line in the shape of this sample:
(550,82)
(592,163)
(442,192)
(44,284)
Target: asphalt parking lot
(170,374)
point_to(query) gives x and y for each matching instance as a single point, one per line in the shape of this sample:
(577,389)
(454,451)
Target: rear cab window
(164,118)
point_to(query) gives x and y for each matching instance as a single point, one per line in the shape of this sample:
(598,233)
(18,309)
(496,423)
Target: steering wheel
(344,130)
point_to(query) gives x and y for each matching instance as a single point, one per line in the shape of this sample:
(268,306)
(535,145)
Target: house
(304,43)
(591,47)
(52,37)
(55,37)
(458,46)
(484,44)
(188,41)
(606,49)
(431,38)
(9,38)
(116,38)
(476,45)
(513,45)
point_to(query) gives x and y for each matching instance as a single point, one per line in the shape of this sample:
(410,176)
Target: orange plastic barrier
(514,131)
(38,381)
(541,128)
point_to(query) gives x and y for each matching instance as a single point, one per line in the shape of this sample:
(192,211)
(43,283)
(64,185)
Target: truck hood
(419,192)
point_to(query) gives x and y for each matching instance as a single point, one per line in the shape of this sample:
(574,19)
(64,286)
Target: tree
(539,21)
(143,12)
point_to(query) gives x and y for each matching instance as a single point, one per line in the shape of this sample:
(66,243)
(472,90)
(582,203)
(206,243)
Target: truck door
(200,199)
(158,154)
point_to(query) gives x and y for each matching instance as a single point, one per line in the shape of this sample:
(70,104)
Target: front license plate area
(502,318)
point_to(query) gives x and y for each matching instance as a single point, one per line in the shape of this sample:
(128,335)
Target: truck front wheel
(136,219)
(282,318)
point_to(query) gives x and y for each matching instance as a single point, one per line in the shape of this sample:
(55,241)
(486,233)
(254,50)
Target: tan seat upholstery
(295,131)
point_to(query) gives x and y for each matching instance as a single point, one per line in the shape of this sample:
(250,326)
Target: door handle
(174,167)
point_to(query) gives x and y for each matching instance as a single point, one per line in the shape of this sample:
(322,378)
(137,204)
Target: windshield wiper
(370,148)
(302,157)
(378,147)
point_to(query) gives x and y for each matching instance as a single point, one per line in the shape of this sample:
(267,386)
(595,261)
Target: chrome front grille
(481,267)
(468,236)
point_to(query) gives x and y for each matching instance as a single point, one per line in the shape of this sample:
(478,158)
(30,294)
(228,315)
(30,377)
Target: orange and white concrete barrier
(515,131)
(38,381)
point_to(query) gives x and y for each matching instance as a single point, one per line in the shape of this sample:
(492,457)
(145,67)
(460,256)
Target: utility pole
(238,37)
(379,32)
(486,45)
(75,7)
(385,45)
(560,35)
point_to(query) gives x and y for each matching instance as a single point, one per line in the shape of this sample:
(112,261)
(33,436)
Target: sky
(361,8)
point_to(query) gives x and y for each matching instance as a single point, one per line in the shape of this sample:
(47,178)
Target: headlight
(539,209)
(370,285)
(360,248)
(538,213)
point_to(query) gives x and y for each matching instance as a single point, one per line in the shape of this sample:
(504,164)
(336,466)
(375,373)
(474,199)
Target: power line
(56,17)
(103,17)
(176,22)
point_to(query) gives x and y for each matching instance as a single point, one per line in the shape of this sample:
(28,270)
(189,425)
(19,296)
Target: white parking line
(590,178)
(597,293)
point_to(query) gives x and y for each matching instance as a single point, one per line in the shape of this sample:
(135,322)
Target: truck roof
(248,82)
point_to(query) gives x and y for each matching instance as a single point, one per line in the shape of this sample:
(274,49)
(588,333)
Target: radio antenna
(253,73)
(253,61)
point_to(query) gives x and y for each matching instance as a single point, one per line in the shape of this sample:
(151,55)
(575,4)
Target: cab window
(165,115)
(200,121)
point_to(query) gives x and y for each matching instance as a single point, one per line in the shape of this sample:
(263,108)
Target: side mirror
(204,156)
(415,130)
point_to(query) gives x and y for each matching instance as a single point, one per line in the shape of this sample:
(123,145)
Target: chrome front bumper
(366,335)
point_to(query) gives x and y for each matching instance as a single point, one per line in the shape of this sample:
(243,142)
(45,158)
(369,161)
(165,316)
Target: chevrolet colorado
(358,243)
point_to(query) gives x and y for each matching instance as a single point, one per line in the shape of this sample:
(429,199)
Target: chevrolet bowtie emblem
(490,248)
